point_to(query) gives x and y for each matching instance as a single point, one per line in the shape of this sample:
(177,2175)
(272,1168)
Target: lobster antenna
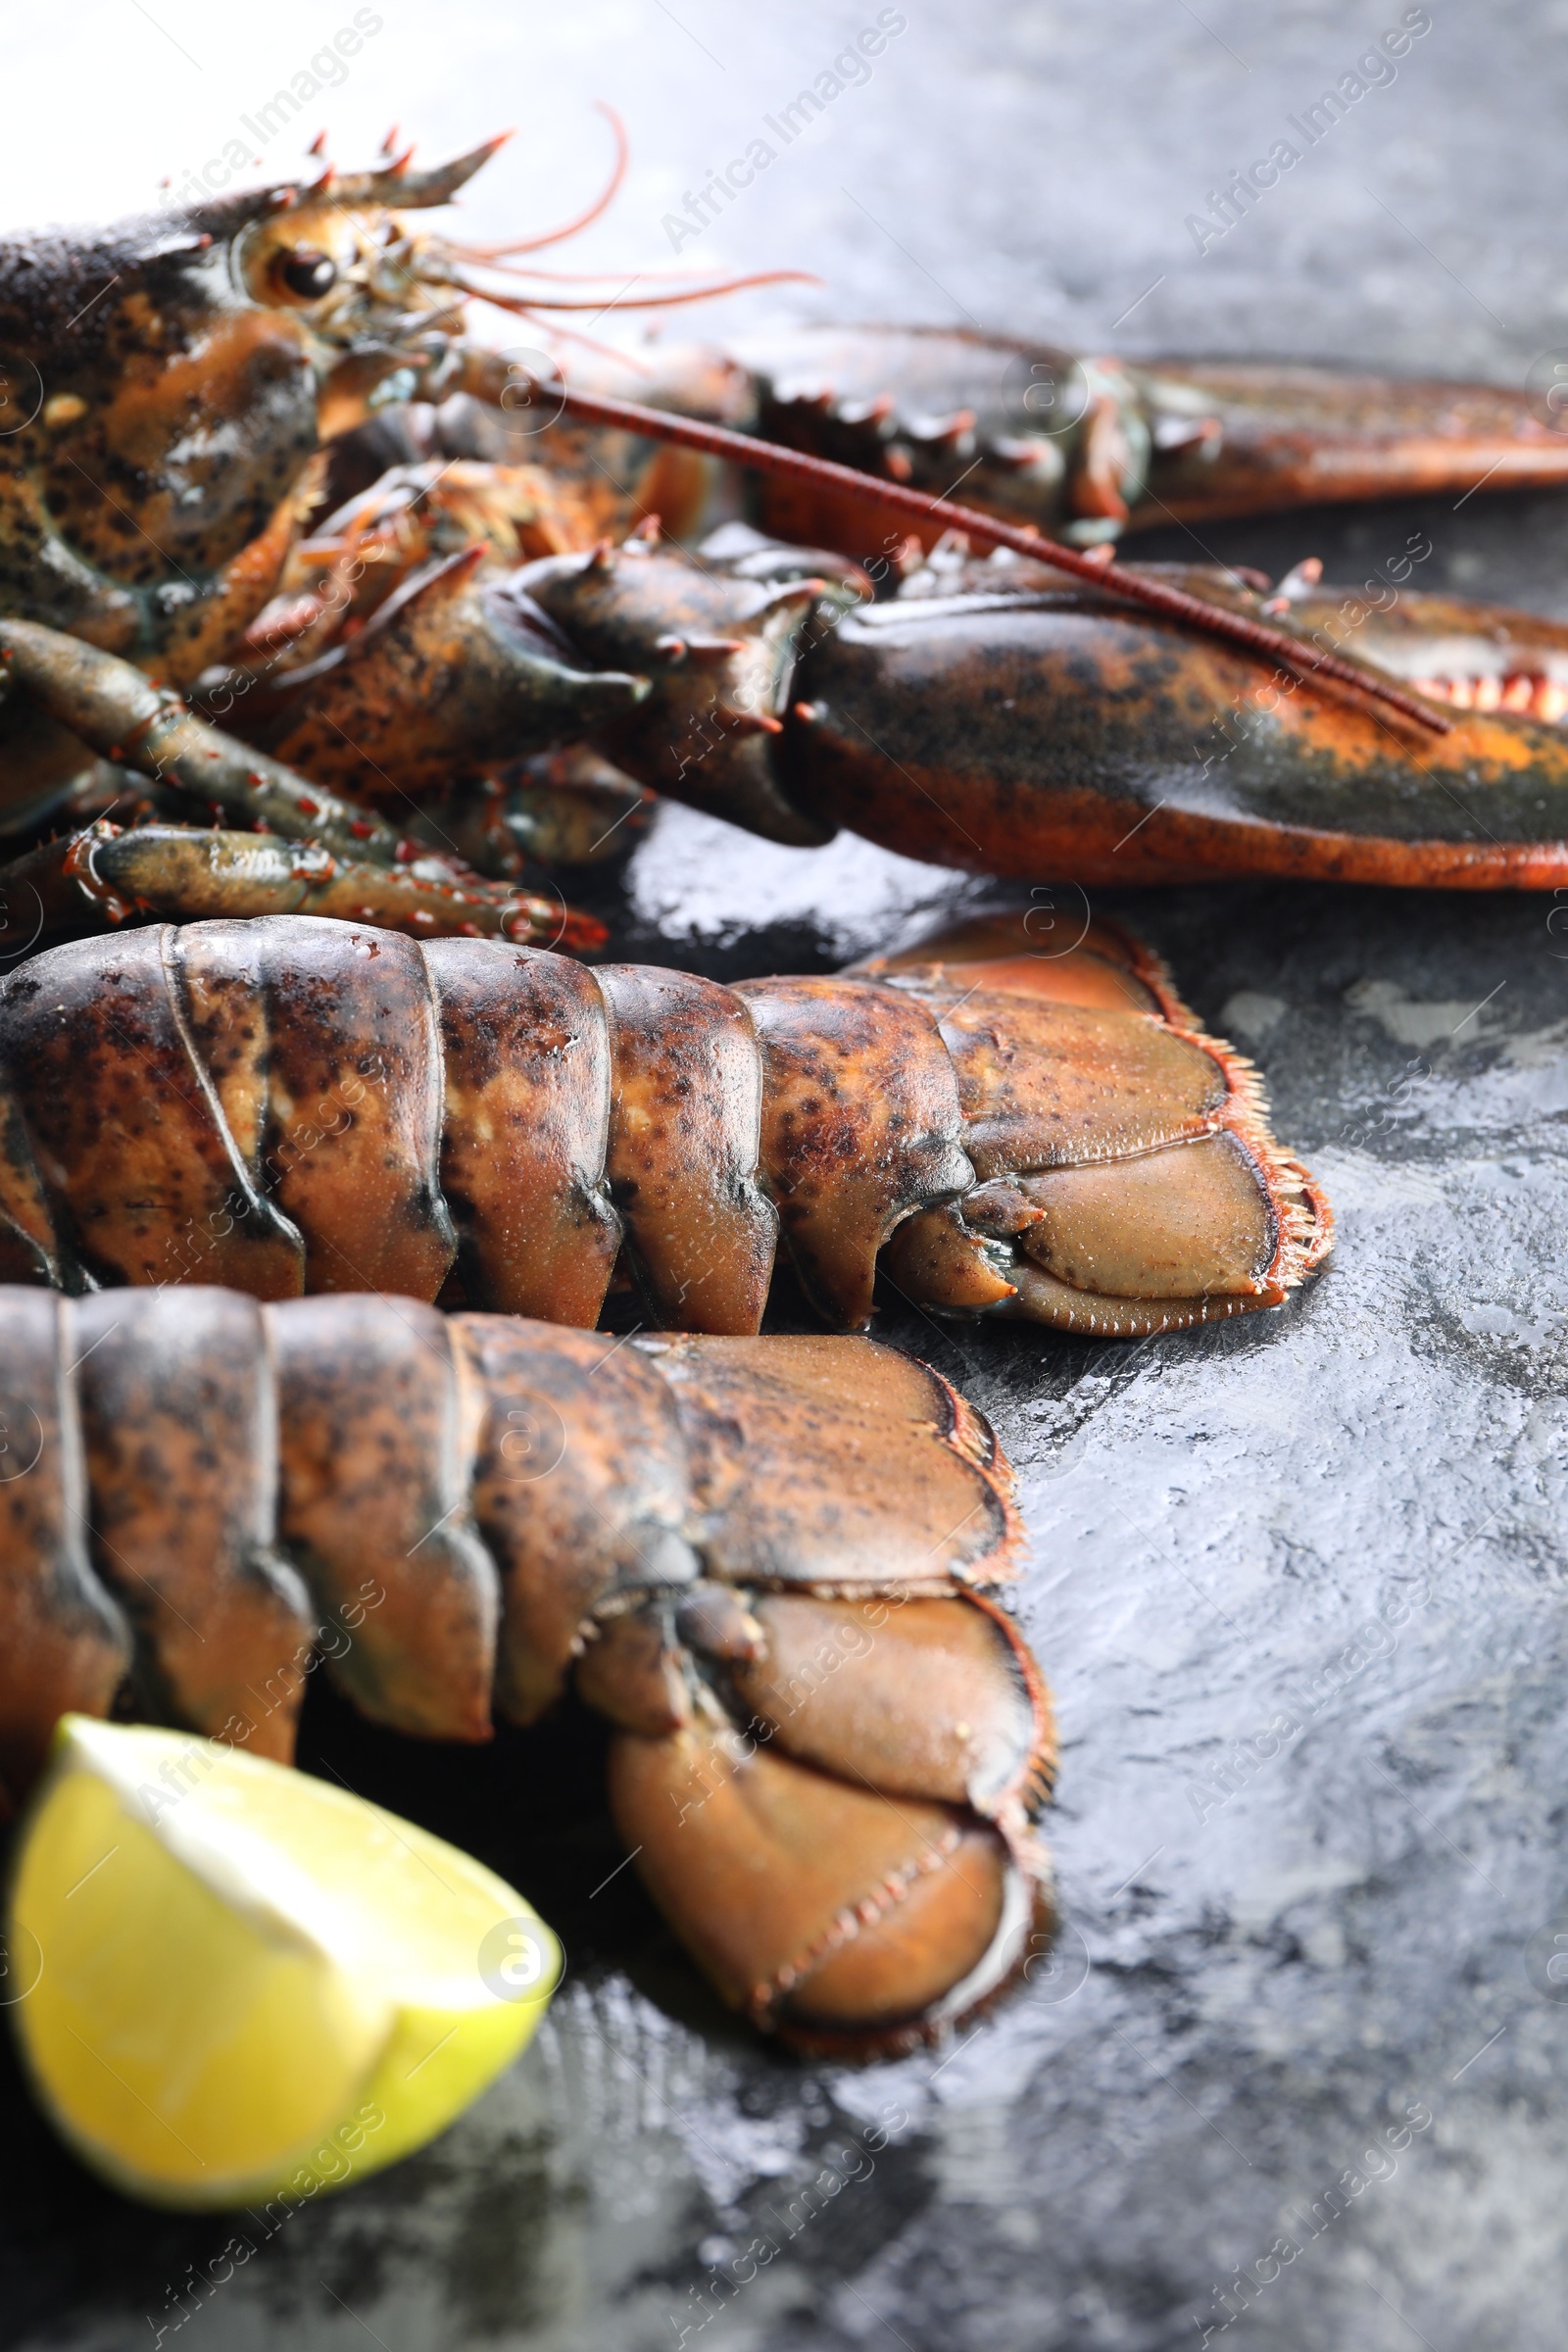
(1177,604)
(575,334)
(599,305)
(586,277)
(600,205)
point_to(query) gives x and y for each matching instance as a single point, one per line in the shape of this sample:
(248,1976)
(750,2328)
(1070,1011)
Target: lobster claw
(1090,444)
(1027,724)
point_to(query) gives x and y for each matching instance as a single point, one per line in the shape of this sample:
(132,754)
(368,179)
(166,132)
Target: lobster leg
(396,656)
(831,1742)
(120,714)
(106,875)
(356,864)
(1014,726)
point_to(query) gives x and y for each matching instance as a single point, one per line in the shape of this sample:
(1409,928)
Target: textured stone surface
(1297,1581)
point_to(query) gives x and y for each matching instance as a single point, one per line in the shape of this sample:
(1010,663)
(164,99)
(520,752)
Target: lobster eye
(306,274)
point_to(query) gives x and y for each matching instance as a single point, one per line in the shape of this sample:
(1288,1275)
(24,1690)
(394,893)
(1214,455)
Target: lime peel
(254,1985)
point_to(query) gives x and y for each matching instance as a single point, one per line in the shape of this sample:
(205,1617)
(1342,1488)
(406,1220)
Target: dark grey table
(1297,1583)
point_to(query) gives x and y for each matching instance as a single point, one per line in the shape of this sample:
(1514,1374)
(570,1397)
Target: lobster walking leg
(291,1103)
(830,1742)
(121,716)
(355,863)
(105,876)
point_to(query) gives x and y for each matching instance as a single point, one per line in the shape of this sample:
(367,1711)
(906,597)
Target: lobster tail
(841,1919)
(1129,1182)
(831,1742)
(868,1749)
(293,1104)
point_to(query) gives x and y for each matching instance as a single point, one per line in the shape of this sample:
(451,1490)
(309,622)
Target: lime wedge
(239,1983)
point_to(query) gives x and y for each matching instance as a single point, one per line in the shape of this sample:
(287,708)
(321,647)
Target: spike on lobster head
(331,268)
(337,253)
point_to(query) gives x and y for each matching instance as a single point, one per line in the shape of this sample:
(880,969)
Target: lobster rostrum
(289,1104)
(431,633)
(829,1742)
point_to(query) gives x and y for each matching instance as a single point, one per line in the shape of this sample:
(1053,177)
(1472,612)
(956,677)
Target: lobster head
(165,383)
(339,256)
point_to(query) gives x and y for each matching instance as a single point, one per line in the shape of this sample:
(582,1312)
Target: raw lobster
(1087,445)
(830,1741)
(290,1103)
(153,504)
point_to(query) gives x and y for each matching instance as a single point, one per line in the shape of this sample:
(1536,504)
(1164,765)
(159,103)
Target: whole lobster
(180,379)
(289,1104)
(830,1739)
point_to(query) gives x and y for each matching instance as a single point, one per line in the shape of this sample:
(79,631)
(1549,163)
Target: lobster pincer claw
(455,673)
(1052,729)
(721,648)
(1088,446)
(1279,436)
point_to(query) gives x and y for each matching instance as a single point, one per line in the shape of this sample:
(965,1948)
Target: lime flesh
(251,1984)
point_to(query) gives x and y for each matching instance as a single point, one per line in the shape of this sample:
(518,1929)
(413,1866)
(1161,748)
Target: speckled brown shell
(300,1104)
(203,1499)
